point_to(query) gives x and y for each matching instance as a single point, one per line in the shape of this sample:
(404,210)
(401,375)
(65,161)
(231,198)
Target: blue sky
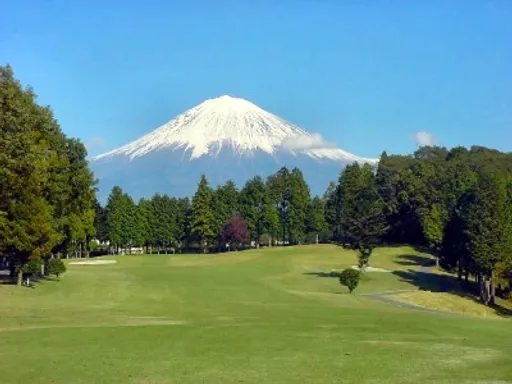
(367,75)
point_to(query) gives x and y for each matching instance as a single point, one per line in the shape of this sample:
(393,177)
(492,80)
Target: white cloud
(95,142)
(424,138)
(94,145)
(300,142)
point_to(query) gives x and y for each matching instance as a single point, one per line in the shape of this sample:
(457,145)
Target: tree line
(456,202)
(278,210)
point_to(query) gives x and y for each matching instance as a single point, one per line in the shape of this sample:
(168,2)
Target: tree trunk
(437,261)
(20,277)
(492,293)
(459,272)
(485,288)
(316,239)
(481,287)
(487,285)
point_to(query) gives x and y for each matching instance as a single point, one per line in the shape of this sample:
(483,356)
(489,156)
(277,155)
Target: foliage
(361,210)
(33,266)
(235,232)
(47,191)
(202,220)
(350,278)
(56,267)
(315,217)
(253,201)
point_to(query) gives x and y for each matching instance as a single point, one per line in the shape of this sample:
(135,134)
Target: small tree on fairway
(349,278)
(56,267)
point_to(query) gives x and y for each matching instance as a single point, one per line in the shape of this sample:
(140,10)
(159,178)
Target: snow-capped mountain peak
(212,125)
(232,123)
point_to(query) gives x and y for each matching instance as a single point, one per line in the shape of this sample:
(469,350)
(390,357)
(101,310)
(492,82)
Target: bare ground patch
(93,262)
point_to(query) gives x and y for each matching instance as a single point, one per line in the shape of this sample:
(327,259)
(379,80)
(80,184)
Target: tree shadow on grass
(430,281)
(323,274)
(446,283)
(502,311)
(417,248)
(415,260)
(6,279)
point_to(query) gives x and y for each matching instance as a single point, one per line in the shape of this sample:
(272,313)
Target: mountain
(224,138)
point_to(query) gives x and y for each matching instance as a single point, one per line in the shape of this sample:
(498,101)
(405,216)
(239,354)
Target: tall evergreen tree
(315,217)
(298,204)
(183,214)
(202,219)
(114,218)
(362,210)
(225,204)
(253,199)
(332,201)
(278,187)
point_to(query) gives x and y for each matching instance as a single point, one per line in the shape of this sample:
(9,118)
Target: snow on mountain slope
(231,123)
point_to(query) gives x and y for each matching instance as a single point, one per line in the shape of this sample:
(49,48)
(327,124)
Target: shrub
(349,278)
(56,267)
(32,267)
(235,232)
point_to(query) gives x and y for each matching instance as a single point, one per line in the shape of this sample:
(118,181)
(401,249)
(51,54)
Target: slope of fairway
(251,317)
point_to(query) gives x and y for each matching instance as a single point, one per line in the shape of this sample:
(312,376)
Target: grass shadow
(447,284)
(7,279)
(430,281)
(415,260)
(417,248)
(502,310)
(323,274)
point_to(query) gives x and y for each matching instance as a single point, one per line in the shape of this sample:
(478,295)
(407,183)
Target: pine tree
(225,204)
(270,222)
(202,220)
(114,218)
(362,210)
(298,206)
(315,217)
(332,210)
(433,228)
(253,199)
(278,187)
(183,214)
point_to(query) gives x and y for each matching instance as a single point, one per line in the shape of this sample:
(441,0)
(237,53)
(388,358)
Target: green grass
(259,316)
